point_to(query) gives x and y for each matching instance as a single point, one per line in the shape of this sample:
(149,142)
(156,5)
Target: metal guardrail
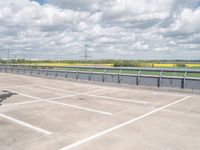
(117,78)
(112,68)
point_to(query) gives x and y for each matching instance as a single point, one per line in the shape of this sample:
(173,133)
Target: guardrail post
(66,74)
(138,78)
(12,68)
(47,72)
(31,71)
(18,70)
(119,76)
(38,72)
(56,74)
(183,81)
(104,76)
(77,74)
(90,75)
(160,79)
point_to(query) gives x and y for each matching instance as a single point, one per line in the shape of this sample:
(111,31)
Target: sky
(111,29)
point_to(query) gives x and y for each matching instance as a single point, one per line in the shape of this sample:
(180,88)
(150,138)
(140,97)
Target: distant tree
(180,65)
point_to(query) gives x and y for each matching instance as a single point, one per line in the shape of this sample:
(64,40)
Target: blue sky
(41,1)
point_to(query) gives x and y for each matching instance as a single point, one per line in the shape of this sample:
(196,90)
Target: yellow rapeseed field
(192,65)
(173,65)
(70,64)
(163,65)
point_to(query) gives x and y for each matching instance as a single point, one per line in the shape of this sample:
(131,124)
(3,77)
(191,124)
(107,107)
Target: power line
(8,52)
(86,55)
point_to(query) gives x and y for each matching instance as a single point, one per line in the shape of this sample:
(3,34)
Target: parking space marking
(25,124)
(93,95)
(39,99)
(116,99)
(73,145)
(75,94)
(64,104)
(79,107)
(60,97)
(20,103)
(63,90)
(26,95)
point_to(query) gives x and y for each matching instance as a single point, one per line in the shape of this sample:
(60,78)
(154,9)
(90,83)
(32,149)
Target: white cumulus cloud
(123,29)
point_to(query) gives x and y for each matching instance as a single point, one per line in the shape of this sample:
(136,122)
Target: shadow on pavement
(5,94)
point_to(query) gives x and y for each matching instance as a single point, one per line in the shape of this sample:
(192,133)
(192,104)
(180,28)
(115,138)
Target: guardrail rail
(119,75)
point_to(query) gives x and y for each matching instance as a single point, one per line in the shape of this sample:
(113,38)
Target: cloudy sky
(117,29)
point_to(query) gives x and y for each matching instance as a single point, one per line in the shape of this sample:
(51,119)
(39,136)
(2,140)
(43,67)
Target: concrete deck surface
(48,114)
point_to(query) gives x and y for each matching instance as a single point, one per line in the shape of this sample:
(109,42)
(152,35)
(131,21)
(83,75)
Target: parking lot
(50,114)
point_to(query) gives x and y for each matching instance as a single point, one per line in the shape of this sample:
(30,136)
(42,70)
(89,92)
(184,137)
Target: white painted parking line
(72,95)
(60,97)
(79,107)
(93,95)
(64,104)
(90,138)
(65,96)
(116,99)
(63,90)
(25,95)
(25,124)
(38,99)
(21,103)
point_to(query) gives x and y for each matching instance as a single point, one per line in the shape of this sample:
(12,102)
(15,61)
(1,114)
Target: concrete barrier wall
(144,80)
